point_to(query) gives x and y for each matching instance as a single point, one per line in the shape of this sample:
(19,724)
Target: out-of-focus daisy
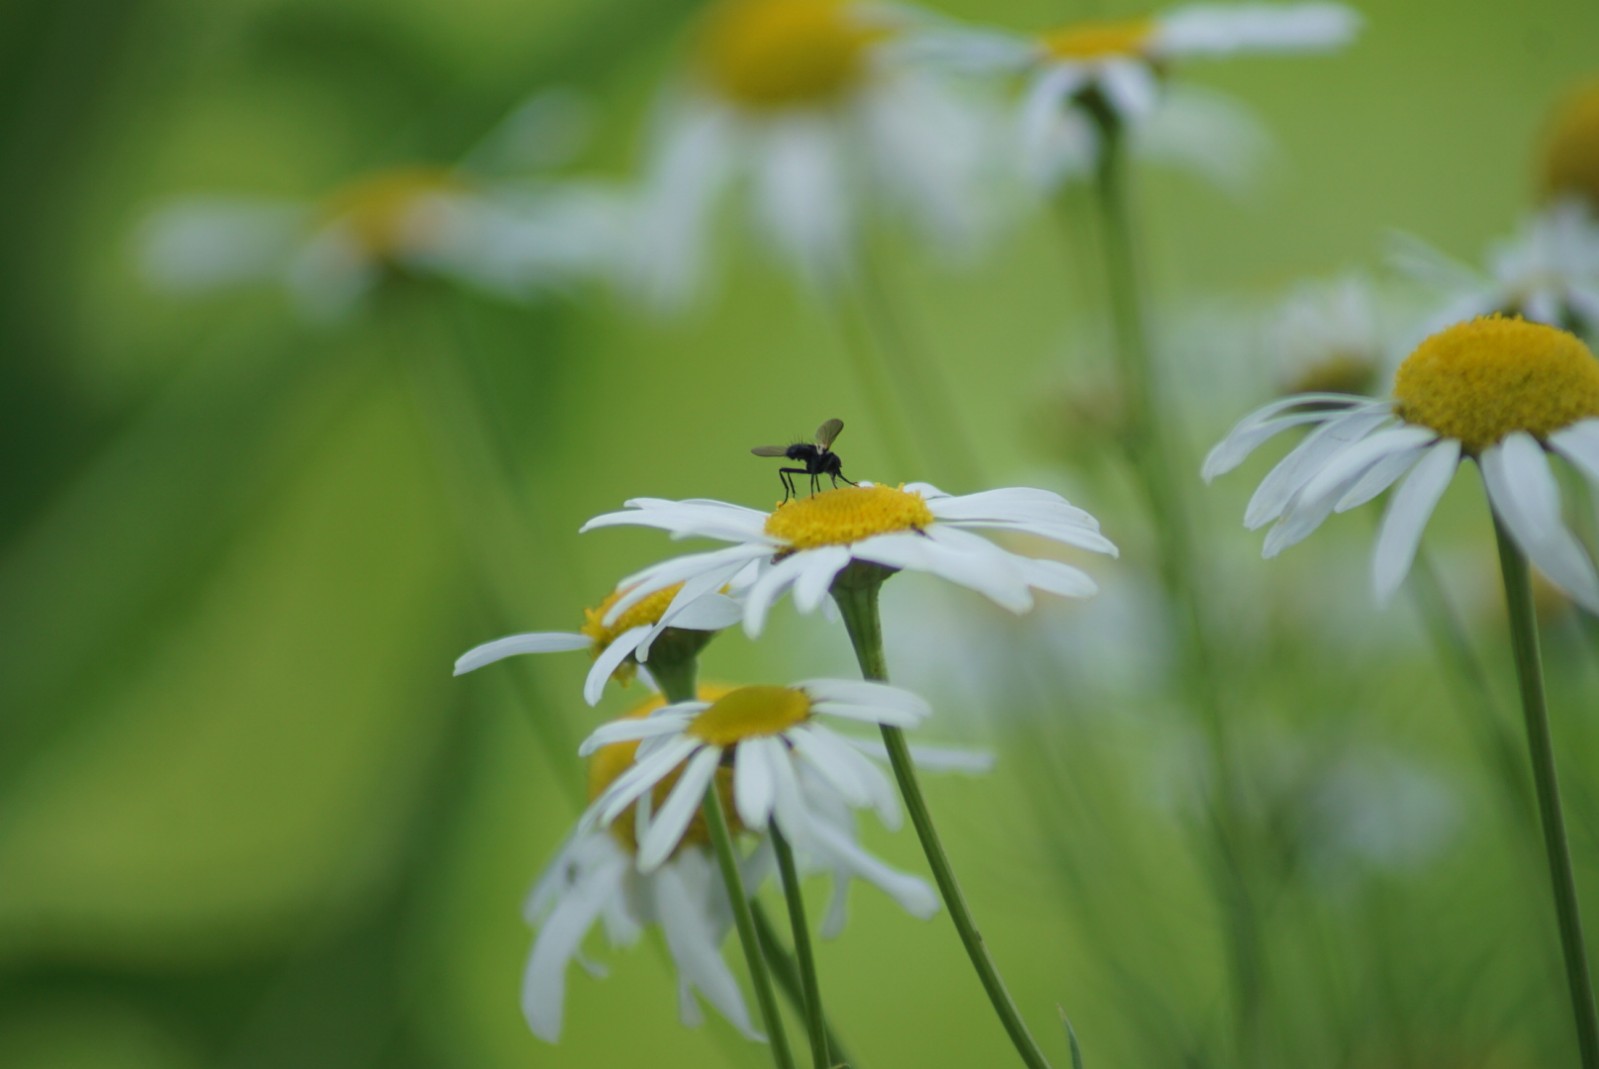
(1504,392)
(1571,149)
(796,104)
(766,733)
(1548,272)
(593,878)
(1329,337)
(1081,75)
(506,239)
(805,543)
(618,638)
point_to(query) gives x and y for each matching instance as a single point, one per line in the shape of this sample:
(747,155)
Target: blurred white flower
(1330,336)
(796,108)
(510,237)
(1082,75)
(1548,272)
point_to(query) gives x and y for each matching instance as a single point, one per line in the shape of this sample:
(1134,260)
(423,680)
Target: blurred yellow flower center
(609,762)
(1481,380)
(1099,40)
(751,712)
(645,613)
(390,214)
(1571,155)
(784,53)
(1339,372)
(848,514)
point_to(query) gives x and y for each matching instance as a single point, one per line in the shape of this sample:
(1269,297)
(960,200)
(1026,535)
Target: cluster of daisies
(818,115)
(784,760)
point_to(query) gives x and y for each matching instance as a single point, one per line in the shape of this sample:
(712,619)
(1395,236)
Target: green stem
(676,678)
(787,975)
(821,1056)
(760,979)
(1150,444)
(1529,674)
(857,603)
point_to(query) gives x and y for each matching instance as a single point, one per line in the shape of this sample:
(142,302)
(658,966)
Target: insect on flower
(818,458)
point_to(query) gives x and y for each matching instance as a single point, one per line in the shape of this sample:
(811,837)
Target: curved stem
(786,973)
(1540,748)
(760,979)
(858,605)
(815,1024)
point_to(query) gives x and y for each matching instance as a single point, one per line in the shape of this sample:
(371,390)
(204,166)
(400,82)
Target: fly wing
(770,450)
(827,432)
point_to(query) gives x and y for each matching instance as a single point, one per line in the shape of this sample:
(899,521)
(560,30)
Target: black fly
(818,458)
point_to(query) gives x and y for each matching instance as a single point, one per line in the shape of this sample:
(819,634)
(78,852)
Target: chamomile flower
(805,543)
(774,739)
(593,879)
(796,104)
(1571,149)
(1082,74)
(503,239)
(1329,337)
(1504,392)
(1547,272)
(619,638)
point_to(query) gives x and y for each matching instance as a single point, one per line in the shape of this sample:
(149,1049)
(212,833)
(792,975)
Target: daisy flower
(1505,392)
(805,543)
(619,637)
(1547,272)
(593,879)
(1082,75)
(1329,337)
(783,756)
(1571,148)
(796,104)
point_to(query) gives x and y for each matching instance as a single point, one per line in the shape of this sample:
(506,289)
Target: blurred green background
(248,819)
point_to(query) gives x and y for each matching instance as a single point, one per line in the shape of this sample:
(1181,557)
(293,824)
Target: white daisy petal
(1408,511)
(666,831)
(822,746)
(662,722)
(788,804)
(1579,443)
(645,773)
(1526,498)
(511,645)
(696,948)
(811,588)
(544,980)
(1345,467)
(920,553)
(867,692)
(1280,485)
(768,588)
(912,894)
(1250,434)
(753,787)
(1380,476)
(931,758)
(609,660)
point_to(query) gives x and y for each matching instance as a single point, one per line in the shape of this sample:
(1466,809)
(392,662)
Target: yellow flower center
(766,54)
(749,713)
(645,613)
(1571,154)
(1481,380)
(386,212)
(848,514)
(1099,40)
(609,762)
(1338,372)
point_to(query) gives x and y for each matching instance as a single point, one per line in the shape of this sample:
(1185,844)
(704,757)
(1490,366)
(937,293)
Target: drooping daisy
(593,878)
(1547,272)
(795,106)
(1502,391)
(618,638)
(1080,75)
(805,543)
(782,755)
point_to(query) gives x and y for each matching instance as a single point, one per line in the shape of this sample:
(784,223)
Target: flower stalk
(1540,749)
(815,1024)
(1152,452)
(856,591)
(760,978)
